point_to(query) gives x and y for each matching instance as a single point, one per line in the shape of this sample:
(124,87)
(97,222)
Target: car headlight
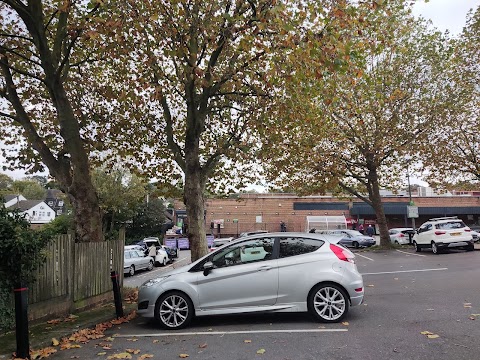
(155,281)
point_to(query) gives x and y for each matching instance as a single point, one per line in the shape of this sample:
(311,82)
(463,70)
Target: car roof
(401,229)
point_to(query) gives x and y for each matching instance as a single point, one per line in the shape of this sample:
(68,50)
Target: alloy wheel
(131,272)
(329,303)
(174,311)
(434,248)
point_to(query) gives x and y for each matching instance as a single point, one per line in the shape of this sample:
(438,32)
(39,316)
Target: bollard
(21,321)
(116,294)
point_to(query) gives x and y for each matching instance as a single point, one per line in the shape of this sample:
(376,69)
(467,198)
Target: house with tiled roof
(35,211)
(12,199)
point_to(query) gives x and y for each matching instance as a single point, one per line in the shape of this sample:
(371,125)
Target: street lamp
(410,200)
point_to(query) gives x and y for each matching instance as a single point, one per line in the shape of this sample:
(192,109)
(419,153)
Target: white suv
(443,233)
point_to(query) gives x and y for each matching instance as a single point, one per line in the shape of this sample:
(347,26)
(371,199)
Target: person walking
(370,230)
(360,228)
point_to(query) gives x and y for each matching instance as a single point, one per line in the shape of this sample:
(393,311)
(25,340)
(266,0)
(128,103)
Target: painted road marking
(404,252)
(230,332)
(404,271)
(363,256)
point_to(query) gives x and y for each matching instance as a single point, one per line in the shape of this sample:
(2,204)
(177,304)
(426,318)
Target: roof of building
(9,197)
(25,205)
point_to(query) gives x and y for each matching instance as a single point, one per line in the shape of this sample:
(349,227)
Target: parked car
(254,232)
(161,258)
(401,236)
(134,260)
(220,242)
(172,252)
(258,273)
(443,233)
(475,235)
(350,238)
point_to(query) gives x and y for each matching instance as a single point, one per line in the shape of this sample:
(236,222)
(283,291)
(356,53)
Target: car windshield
(450,225)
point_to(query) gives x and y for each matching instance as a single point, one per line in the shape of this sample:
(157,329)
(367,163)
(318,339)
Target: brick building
(266,211)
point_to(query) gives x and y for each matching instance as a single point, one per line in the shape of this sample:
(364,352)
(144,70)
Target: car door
(346,239)
(244,275)
(424,232)
(143,261)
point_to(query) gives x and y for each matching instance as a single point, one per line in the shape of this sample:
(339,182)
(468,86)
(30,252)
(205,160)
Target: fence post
(21,321)
(116,294)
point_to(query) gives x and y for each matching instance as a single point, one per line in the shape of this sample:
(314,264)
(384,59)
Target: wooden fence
(75,275)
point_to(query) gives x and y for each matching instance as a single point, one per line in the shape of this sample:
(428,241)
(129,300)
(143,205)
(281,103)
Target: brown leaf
(102,353)
(55,342)
(261,351)
(346,323)
(433,336)
(155,341)
(123,355)
(132,351)
(145,356)
(247,341)
(183,356)
(203,346)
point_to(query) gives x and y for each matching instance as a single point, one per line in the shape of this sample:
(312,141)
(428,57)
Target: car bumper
(449,245)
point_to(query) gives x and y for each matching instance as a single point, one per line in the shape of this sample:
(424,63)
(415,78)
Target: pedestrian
(152,251)
(360,228)
(370,230)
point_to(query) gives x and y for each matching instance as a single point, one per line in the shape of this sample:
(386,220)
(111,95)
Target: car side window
(127,255)
(244,252)
(291,246)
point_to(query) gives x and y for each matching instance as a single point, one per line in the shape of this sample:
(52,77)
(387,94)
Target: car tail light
(359,289)
(468,230)
(440,232)
(342,254)
(401,235)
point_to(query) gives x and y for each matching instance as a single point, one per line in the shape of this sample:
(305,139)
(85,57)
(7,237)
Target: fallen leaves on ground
(145,356)
(131,297)
(155,341)
(203,346)
(102,353)
(82,337)
(371,285)
(123,355)
(430,335)
(183,356)
(247,341)
(467,305)
(133,351)
(346,323)
(261,351)
(42,353)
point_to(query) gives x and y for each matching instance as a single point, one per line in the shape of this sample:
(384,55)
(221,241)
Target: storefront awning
(389,209)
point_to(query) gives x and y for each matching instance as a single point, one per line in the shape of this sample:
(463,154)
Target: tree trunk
(375,198)
(194,202)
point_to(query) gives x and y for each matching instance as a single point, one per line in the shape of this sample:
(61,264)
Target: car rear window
(450,225)
(298,246)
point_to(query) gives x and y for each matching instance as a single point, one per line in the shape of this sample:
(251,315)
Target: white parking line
(363,256)
(230,332)
(404,252)
(404,271)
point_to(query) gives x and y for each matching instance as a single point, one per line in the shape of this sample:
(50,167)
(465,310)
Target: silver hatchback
(274,272)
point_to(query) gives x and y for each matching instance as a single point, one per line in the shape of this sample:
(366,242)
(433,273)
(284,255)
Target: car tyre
(164,261)
(435,248)
(328,303)
(396,242)
(150,265)
(417,247)
(174,310)
(356,245)
(131,271)
(470,247)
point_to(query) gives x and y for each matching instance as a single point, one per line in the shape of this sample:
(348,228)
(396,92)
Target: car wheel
(164,262)
(131,271)
(328,303)
(150,265)
(174,310)
(356,245)
(396,242)
(435,248)
(417,248)
(470,248)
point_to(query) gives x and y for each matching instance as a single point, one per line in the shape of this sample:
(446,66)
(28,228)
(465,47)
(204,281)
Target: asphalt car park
(417,306)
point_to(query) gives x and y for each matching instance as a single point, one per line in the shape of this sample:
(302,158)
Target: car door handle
(264,268)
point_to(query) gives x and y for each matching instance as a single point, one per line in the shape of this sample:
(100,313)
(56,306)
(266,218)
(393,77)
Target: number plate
(455,234)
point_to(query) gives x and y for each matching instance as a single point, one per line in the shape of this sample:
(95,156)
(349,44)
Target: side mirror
(207,267)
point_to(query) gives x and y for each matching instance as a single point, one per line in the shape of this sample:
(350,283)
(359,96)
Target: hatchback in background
(350,238)
(134,260)
(401,236)
(161,257)
(443,233)
(274,272)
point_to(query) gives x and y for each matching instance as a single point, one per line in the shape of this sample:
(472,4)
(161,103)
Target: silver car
(401,236)
(134,260)
(282,272)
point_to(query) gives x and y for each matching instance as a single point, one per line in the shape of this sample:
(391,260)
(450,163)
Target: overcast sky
(444,14)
